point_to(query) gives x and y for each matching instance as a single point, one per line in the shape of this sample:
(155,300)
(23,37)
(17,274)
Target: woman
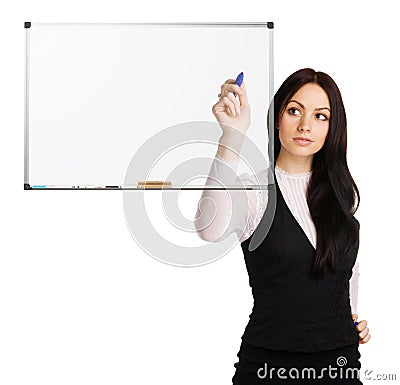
(300,273)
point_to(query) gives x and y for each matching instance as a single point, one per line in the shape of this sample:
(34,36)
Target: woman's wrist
(230,144)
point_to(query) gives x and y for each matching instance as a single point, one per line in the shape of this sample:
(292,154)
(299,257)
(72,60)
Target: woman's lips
(302,142)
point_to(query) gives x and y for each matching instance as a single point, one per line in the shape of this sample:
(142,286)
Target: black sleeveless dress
(296,322)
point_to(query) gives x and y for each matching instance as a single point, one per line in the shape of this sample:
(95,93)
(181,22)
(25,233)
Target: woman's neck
(300,165)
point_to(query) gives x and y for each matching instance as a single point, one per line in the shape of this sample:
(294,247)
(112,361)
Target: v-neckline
(291,214)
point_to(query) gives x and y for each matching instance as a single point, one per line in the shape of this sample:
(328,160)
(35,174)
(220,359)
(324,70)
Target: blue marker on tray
(239,81)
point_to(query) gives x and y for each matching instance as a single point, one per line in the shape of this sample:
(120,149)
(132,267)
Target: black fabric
(292,312)
(257,366)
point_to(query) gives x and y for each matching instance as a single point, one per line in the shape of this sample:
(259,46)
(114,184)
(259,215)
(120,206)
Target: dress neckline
(281,171)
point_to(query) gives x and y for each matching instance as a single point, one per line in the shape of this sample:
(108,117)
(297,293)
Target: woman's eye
(322,117)
(293,110)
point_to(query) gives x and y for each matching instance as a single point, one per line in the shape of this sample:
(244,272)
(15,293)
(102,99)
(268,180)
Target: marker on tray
(238,81)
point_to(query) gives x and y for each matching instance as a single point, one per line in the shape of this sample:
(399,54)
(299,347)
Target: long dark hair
(332,192)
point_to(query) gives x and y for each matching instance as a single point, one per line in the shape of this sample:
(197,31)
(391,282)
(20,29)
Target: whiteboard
(108,106)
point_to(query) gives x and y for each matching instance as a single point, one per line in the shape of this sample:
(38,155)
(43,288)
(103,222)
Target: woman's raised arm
(222,212)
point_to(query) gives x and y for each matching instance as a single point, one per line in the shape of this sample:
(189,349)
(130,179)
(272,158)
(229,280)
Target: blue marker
(356,323)
(238,81)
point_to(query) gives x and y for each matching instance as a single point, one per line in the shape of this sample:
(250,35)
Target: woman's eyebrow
(321,108)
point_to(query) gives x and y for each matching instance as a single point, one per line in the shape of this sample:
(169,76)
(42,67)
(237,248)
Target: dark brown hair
(332,192)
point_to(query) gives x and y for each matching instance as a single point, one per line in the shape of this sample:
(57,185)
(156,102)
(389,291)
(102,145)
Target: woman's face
(306,115)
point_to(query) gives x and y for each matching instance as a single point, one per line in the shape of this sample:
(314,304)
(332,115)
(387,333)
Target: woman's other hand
(363,330)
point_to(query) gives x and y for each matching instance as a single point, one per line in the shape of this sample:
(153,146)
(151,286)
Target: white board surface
(98,94)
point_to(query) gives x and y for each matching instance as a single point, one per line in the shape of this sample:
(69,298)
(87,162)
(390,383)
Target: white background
(82,303)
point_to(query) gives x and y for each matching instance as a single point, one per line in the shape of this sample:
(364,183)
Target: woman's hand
(228,110)
(363,331)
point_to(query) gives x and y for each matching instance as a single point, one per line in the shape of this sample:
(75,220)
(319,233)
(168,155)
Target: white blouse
(226,220)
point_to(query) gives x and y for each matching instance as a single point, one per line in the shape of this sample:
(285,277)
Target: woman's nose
(305,124)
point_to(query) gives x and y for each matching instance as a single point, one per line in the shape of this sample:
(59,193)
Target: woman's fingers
(243,96)
(230,106)
(361,325)
(228,99)
(240,91)
(233,102)
(365,340)
(364,333)
(227,90)
(227,81)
